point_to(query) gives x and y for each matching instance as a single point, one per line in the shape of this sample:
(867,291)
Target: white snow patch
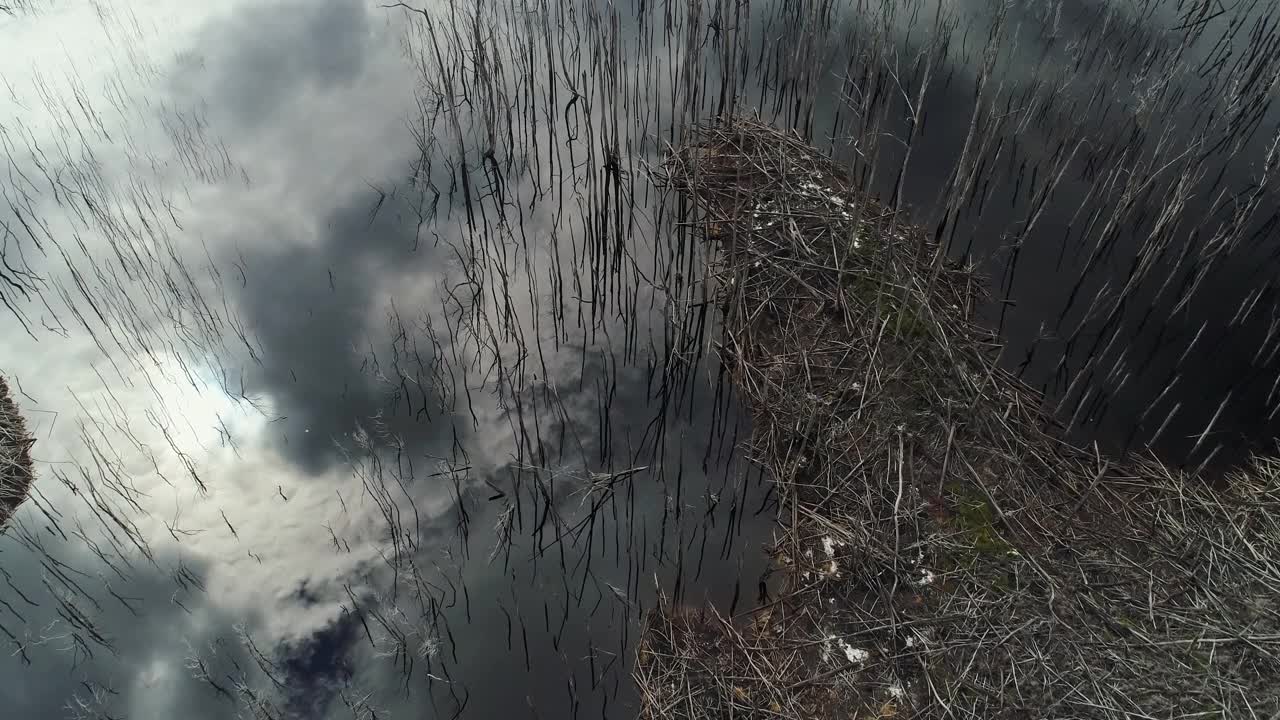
(829,545)
(853,654)
(917,638)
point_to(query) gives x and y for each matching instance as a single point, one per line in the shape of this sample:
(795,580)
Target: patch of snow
(917,638)
(828,543)
(853,654)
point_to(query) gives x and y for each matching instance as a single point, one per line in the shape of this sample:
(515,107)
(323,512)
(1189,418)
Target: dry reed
(15,456)
(946,554)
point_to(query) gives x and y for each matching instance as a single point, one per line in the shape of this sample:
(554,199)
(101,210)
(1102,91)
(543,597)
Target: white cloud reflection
(308,99)
(248,144)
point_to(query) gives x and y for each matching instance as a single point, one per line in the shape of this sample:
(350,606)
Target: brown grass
(946,553)
(15,456)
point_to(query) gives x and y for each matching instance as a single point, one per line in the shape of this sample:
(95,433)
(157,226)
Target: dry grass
(15,456)
(946,554)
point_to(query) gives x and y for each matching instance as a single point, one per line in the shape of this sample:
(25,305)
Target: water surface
(371,374)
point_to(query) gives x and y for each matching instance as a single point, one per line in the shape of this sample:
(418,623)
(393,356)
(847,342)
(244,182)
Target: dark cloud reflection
(317,311)
(146,674)
(263,57)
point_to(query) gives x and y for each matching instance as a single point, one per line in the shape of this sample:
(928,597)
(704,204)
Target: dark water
(372,377)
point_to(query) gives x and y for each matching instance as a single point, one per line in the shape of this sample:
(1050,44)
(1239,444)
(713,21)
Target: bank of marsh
(15,455)
(945,552)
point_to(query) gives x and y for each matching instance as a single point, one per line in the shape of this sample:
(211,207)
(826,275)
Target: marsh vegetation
(905,358)
(945,550)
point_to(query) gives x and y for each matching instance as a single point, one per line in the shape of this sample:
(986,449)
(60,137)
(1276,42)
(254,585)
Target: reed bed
(15,456)
(945,552)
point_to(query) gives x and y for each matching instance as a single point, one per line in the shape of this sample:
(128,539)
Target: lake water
(371,375)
